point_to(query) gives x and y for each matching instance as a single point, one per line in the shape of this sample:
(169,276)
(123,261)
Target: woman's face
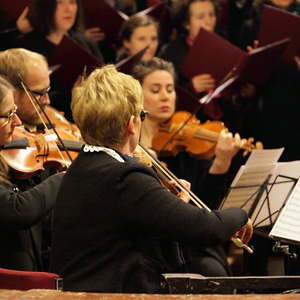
(65,14)
(8,119)
(140,38)
(202,15)
(159,95)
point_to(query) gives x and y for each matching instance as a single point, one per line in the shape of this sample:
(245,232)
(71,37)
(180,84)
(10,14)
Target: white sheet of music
(267,209)
(287,226)
(260,164)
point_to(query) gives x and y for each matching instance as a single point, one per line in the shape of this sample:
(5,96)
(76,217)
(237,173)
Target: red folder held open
(13,9)
(277,24)
(73,60)
(213,55)
(98,13)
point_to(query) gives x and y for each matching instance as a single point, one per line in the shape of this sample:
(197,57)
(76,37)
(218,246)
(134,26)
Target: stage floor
(59,295)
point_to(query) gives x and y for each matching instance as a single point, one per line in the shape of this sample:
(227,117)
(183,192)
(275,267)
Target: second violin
(184,132)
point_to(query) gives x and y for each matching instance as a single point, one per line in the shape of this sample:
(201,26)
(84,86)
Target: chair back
(25,280)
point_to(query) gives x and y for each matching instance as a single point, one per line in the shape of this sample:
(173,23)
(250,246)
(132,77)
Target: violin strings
(171,176)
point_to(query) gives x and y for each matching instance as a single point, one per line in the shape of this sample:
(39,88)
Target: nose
(45,99)
(164,95)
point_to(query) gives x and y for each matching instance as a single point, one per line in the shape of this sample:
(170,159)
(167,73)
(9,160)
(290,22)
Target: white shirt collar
(109,151)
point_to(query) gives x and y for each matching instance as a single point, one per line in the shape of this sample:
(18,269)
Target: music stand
(287,225)
(263,189)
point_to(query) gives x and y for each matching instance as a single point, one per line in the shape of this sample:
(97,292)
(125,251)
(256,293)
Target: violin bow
(36,104)
(197,201)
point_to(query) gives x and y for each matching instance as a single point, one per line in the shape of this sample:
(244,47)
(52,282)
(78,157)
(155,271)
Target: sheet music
(264,157)
(287,225)
(267,209)
(245,186)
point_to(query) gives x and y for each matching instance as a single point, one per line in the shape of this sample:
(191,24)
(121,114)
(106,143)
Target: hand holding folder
(101,14)
(213,55)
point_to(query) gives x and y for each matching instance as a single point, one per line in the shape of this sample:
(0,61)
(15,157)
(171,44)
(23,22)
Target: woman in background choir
(138,32)
(128,213)
(51,20)
(232,105)
(21,213)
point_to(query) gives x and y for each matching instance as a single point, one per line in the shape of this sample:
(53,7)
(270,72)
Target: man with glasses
(32,68)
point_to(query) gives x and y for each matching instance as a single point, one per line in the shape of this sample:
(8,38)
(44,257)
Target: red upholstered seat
(25,280)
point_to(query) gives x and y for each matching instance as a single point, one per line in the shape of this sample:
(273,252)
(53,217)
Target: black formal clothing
(110,218)
(211,189)
(20,224)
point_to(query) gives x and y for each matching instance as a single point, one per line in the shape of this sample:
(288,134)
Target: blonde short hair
(102,105)
(15,64)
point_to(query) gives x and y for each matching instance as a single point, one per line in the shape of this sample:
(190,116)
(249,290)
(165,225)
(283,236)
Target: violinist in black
(33,69)
(127,213)
(20,212)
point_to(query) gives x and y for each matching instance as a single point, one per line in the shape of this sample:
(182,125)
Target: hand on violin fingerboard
(227,147)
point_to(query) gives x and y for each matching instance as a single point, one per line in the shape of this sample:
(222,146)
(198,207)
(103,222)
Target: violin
(165,175)
(29,153)
(184,132)
(57,118)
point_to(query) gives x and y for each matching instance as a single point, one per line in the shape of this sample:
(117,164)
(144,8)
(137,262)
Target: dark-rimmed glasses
(10,115)
(143,115)
(39,94)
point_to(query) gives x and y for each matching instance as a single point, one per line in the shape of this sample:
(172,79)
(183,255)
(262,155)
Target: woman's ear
(126,44)
(131,126)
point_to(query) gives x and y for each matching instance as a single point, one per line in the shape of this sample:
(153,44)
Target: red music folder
(277,24)
(13,9)
(127,64)
(259,64)
(98,13)
(213,55)
(73,59)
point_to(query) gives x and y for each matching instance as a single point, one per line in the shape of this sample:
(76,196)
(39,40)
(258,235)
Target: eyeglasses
(10,115)
(40,94)
(143,115)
